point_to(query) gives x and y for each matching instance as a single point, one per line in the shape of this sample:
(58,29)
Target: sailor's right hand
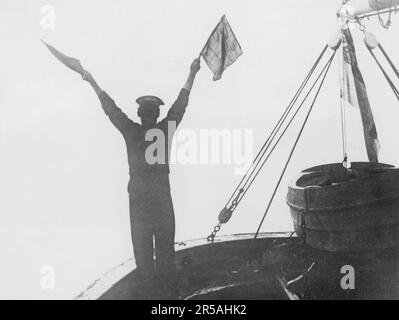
(195,66)
(87,76)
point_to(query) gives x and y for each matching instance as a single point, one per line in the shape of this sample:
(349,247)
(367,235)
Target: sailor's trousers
(152,226)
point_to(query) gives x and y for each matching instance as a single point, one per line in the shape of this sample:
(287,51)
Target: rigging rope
(288,125)
(227,211)
(343,111)
(252,177)
(391,84)
(295,145)
(271,136)
(389,60)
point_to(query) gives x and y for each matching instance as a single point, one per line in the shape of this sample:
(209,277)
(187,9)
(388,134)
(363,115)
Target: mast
(354,11)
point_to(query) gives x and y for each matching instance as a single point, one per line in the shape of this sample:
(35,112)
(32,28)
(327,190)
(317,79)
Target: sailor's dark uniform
(151,207)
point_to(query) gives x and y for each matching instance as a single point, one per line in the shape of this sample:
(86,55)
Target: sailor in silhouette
(151,208)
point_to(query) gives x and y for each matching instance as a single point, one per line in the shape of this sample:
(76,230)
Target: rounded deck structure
(275,266)
(338,209)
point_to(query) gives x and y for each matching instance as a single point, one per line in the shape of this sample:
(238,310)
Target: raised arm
(116,115)
(177,110)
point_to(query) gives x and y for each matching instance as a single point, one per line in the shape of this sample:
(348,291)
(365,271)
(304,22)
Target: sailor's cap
(150,100)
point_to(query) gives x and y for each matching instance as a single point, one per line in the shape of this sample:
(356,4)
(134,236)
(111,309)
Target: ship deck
(275,266)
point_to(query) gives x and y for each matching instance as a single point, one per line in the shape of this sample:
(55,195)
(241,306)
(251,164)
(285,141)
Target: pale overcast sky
(63,166)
